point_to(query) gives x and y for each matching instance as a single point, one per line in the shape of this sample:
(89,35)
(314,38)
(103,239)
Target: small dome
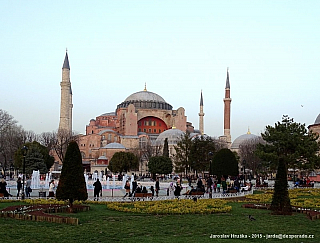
(239,140)
(145,96)
(317,120)
(173,135)
(114,146)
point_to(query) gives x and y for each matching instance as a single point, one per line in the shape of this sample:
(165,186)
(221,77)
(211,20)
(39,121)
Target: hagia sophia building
(143,117)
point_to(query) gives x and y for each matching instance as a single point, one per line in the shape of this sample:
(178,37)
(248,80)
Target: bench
(263,185)
(198,193)
(305,185)
(232,191)
(139,195)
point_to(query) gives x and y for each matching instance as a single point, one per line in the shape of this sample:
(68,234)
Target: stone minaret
(66,98)
(201,115)
(227,104)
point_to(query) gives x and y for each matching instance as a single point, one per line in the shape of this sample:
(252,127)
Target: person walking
(51,188)
(127,187)
(157,186)
(134,187)
(19,186)
(97,189)
(28,187)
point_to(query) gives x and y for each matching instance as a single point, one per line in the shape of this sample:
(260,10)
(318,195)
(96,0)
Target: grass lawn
(103,225)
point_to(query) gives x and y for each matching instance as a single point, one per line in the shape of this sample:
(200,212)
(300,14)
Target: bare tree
(247,154)
(11,138)
(60,141)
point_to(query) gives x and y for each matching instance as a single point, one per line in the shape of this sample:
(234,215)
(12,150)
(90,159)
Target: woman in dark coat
(19,186)
(97,189)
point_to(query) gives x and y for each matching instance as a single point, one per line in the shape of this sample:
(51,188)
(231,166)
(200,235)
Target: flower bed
(312,214)
(207,206)
(43,212)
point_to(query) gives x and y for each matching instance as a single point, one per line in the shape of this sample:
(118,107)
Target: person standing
(19,186)
(127,187)
(28,187)
(51,188)
(134,187)
(157,186)
(97,189)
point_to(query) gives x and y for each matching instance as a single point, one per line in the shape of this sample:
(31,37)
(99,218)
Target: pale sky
(178,48)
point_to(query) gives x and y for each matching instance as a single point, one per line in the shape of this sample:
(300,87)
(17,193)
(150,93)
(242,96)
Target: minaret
(201,115)
(66,98)
(227,104)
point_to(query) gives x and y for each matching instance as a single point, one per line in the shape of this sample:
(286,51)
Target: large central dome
(145,96)
(145,100)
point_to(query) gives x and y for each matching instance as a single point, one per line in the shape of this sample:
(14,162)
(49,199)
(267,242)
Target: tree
(280,199)
(123,162)
(72,185)
(181,157)
(166,148)
(160,165)
(224,163)
(291,142)
(11,138)
(287,144)
(60,141)
(199,152)
(248,157)
(37,158)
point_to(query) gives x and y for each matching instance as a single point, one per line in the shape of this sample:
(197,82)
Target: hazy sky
(178,48)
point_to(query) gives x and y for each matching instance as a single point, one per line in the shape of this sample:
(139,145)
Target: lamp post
(210,179)
(244,171)
(24,153)
(10,169)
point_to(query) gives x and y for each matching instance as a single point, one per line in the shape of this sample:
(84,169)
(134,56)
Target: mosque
(144,117)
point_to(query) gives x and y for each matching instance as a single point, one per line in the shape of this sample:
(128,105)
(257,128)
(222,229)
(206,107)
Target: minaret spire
(66,98)
(66,61)
(201,115)
(227,110)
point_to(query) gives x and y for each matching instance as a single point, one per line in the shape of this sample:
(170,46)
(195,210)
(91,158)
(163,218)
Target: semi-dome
(145,100)
(173,135)
(243,138)
(114,146)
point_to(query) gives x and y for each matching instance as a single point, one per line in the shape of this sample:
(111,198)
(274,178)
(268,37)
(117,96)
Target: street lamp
(210,179)
(10,169)
(244,171)
(24,153)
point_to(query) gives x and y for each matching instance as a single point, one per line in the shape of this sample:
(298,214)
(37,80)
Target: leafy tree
(160,165)
(72,185)
(200,152)
(280,199)
(37,158)
(224,163)
(181,158)
(123,162)
(291,142)
(166,148)
(288,144)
